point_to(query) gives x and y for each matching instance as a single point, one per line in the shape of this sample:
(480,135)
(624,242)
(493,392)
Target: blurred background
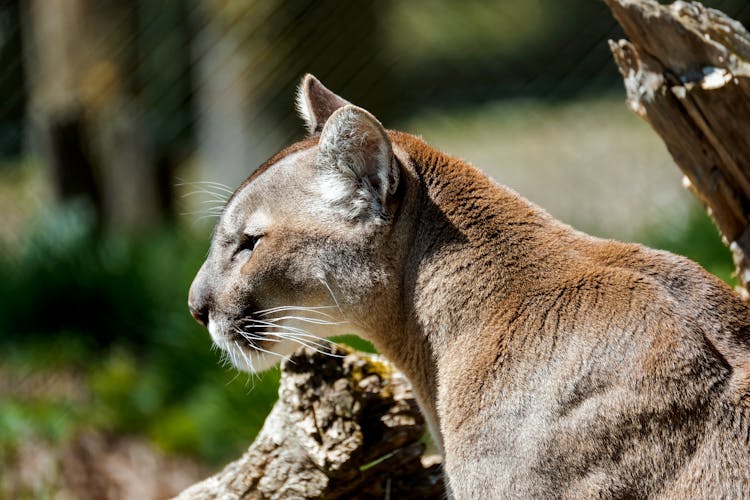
(124,124)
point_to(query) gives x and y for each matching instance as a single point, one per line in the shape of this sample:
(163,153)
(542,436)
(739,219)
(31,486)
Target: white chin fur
(246,359)
(251,361)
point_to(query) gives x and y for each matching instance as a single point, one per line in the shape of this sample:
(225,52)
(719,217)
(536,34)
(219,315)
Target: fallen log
(686,70)
(346,425)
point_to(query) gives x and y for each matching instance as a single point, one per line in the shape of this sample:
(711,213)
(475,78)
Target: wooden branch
(345,426)
(687,73)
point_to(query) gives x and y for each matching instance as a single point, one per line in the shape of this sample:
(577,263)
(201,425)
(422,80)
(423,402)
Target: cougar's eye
(247,243)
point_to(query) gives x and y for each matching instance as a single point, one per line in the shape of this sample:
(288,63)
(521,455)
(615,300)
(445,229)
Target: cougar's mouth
(260,339)
(251,338)
(246,346)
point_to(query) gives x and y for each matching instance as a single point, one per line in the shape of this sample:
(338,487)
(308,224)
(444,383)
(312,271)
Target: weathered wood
(687,73)
(345,426)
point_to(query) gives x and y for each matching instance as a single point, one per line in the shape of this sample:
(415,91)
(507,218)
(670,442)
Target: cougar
(548,363)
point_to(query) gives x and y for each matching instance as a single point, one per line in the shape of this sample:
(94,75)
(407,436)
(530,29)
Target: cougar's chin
(248,353)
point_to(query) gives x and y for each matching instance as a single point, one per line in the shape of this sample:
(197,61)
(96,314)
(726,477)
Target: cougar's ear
(356,165)
(315,103)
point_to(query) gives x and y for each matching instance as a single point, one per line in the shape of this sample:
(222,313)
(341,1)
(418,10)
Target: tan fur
(548,362)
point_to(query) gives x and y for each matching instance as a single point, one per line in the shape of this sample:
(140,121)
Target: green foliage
(227,419)
(355,342)
(47,419)
(200,410)
(66,281)
(114,308)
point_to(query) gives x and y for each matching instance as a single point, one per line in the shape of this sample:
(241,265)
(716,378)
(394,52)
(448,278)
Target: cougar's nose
(200,315)
(199,299)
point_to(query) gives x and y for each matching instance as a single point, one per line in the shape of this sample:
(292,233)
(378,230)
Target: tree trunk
(346,425)
(687,73)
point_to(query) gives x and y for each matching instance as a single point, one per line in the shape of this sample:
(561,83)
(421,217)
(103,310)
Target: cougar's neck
(473,244)
(475,241)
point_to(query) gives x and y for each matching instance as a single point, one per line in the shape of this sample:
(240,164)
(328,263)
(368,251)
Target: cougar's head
(304,244)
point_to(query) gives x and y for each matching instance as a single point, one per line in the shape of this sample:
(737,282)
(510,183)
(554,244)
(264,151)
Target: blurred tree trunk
(236,130)
(687,73)
(12,83)
(85,119)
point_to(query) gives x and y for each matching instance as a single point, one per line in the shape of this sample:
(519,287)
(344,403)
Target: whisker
(310,344)
(202,214)
(255,335)
(313,309)
(236,375)
(242,352)
(216,210)
(288,328)
(213,196)
(233,354)
(303,319)
(213,185)
(207,184)
(206,216)
(325,283)
(281,333)
(298,338)
(253,374)
(321,349)
(285,358)
(294,334)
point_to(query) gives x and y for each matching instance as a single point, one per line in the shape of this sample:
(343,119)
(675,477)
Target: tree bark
(687,73)
(346,425)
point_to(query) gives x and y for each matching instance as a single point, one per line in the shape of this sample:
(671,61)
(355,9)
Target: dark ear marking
(315,103)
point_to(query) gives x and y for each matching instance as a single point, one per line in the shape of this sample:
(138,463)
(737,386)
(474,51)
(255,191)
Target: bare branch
(687,73)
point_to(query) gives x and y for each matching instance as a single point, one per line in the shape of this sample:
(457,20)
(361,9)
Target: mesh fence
(127,93)
(117,103)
